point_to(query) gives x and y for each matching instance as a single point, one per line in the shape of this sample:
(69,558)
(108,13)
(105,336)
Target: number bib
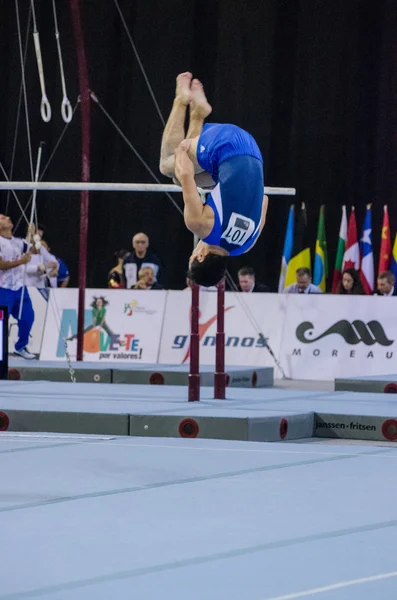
(239,229)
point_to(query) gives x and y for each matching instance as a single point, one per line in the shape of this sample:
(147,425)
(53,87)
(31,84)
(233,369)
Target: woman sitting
(350,283)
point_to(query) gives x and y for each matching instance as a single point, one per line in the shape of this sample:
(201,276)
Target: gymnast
(220,157)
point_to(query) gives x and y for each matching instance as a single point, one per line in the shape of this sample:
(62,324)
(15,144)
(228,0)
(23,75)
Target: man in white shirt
(14,255)
(386,284)
(303,283)
(40,271)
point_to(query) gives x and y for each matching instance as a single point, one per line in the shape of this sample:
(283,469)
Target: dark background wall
(314,81)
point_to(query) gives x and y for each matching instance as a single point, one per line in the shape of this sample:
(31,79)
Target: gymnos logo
(183,341)
(353,333)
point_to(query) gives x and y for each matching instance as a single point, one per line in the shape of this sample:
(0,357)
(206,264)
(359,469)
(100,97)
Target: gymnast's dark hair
(210,271)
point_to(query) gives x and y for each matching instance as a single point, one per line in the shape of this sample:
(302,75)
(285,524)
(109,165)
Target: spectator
(386,284)
(62,277)
(116,275)
(138,258)
(14,254)
(247,281)
(63,274)
(303,283)
(42,269)
(350,283)
(147,280)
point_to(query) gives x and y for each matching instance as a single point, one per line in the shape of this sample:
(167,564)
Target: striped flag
(393,267)
(288,244)
(300,256)
(340,251)
(385,245)
(367,255)
(351,258)
(321,258)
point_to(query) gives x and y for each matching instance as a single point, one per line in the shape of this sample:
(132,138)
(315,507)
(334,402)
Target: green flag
(321,260)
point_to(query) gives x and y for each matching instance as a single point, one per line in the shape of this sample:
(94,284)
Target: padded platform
(96,518)
(135,373)
(373,383)
(163,411)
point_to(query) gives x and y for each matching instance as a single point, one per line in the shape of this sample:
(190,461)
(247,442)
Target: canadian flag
(351,258)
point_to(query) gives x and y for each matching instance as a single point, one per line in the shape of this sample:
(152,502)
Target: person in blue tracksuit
(225,159)
(14,255)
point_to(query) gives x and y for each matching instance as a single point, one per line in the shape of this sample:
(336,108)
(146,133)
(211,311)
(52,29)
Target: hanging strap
(66,107)
(45,107)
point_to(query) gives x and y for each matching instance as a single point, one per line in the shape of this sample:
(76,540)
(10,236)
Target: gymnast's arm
(10,264)
(194,208)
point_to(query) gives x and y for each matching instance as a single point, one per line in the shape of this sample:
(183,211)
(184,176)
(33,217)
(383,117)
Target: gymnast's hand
(183,165)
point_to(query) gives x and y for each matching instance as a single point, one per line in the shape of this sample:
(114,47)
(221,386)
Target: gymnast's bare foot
(199,102)
(183,92)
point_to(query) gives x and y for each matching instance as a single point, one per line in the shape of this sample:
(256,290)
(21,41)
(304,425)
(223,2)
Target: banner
(314,336)
(119,325)
(326,337)
(246,315)
(39,300)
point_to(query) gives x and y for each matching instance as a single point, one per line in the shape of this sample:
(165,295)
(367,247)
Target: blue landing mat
(205,520)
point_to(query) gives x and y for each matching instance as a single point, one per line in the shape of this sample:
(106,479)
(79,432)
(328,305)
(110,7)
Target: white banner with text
(119,325)
(326,337)
(246,316)
(313,336)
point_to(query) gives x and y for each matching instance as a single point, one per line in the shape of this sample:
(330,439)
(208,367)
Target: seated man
(224,156)
(147,280)
(386,284)
(303,283)
(140,257)
(247,281)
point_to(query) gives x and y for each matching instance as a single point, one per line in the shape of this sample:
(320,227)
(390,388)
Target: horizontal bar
(114,187)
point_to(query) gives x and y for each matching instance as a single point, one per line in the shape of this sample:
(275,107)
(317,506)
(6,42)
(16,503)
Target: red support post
(85,167)
(194,373)
(220,375)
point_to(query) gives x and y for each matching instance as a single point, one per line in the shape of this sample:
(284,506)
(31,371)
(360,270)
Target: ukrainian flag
(321,259)
(287,252)
(393,267)
(301,251)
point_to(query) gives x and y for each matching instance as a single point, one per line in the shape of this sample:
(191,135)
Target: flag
(367,255)
(340,251)
(321,258)
(351,258)
(287,251)
(393,267)
(385,245)
(300,256)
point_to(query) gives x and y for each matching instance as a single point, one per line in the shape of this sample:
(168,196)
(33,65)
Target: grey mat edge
(285,427)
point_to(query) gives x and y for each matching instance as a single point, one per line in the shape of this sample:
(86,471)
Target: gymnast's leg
(190,93)
(174,131)
(199,111)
